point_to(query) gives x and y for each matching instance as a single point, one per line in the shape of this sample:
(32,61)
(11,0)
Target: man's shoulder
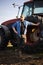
(18,21)
(15,23)
(26,21)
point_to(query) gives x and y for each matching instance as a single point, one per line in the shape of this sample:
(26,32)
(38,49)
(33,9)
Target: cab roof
(32,1)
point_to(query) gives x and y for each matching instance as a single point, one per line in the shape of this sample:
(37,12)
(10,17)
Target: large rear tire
(34,36)
(4,35)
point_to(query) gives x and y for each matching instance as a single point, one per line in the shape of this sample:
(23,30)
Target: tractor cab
(33,7)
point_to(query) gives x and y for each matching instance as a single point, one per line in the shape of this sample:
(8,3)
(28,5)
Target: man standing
(20,27)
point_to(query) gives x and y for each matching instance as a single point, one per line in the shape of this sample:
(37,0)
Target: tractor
(33,12)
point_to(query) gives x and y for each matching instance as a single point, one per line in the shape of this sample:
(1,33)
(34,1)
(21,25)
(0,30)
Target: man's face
(22,18)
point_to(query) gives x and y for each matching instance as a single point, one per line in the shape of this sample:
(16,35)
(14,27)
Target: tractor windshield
(30,8)
(27,9)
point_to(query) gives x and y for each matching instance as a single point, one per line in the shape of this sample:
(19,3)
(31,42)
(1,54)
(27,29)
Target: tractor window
(38,7)
(27,10)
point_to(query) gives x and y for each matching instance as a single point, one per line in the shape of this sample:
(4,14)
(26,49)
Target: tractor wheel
(4,35)
(34,36)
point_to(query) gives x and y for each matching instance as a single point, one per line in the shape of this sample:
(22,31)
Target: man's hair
(22,16)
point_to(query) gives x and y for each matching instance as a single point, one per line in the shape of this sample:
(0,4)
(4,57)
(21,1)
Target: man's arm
(35,24)
(13,27)
(14,30)
(30,23)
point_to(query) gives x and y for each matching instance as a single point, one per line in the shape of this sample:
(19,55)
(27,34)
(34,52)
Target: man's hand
(37,24)
(16,32)
(24,37)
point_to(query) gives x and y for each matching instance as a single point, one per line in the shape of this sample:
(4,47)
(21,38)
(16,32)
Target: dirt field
(10,56)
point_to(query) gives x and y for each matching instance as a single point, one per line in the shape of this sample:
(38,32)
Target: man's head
(22,18)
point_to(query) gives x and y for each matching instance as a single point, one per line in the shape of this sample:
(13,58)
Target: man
(17,27)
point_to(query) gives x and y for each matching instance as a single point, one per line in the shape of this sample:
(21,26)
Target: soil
(11,56)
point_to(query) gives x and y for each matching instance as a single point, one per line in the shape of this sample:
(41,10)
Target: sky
(8,11)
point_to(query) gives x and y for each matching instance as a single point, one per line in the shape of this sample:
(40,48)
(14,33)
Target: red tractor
(33,12)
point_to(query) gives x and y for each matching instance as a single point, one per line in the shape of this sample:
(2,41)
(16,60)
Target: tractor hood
(10,21)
